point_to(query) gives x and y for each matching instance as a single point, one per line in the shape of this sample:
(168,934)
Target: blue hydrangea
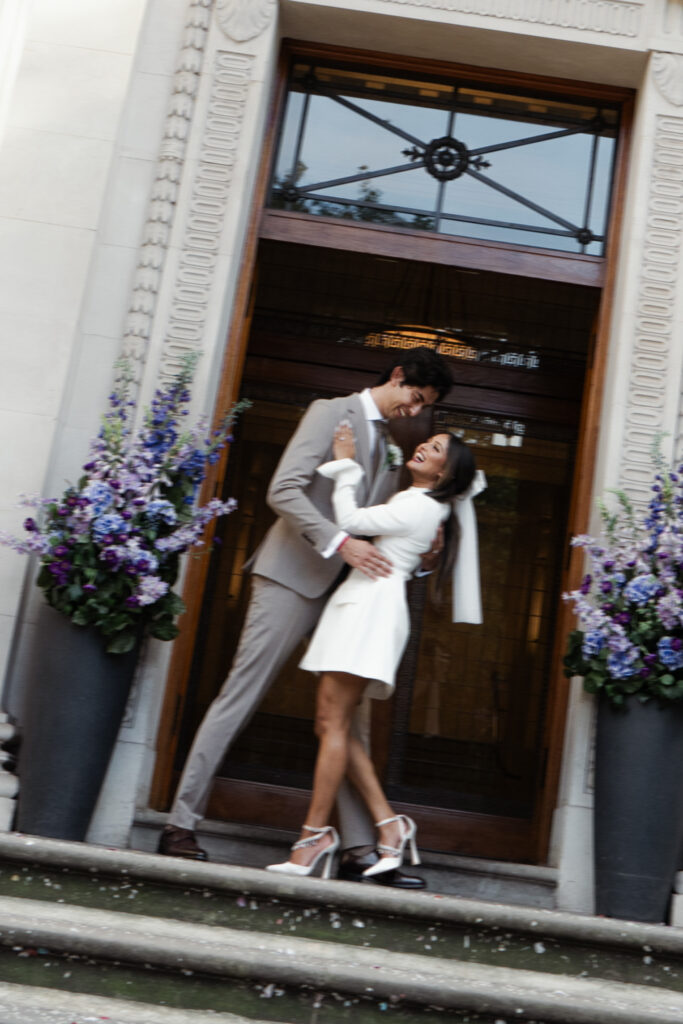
(592,643)
(669,656)
(99,496)
(161,510)
(108,525)
(144,561)
(620,665)
(641,589)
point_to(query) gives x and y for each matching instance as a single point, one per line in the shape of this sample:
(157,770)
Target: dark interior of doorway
(465,729)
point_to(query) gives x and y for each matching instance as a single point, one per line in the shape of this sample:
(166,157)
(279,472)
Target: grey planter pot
(638,808)
(76,700)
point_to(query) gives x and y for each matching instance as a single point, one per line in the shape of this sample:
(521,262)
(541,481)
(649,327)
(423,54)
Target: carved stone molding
(164,194)
(667,70)
(206,209)
(615,17)
(654,319)
(244,19)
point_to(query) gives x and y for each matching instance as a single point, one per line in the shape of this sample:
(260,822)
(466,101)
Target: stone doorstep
(370,899)
(170,945)
(228,843)
(27,1004)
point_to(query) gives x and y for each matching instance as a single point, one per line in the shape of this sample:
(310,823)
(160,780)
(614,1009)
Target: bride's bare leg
(361,772)
(338,695)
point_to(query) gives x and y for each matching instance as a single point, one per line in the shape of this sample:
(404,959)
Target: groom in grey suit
(293,573)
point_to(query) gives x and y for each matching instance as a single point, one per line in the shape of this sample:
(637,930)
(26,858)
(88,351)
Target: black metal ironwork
(446,159)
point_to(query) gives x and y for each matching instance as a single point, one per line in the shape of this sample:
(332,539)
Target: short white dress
(364,625)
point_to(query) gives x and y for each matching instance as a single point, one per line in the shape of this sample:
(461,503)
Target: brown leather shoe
(352,866)
(180,842)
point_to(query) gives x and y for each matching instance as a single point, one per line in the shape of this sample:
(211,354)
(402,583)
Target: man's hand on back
(361,554)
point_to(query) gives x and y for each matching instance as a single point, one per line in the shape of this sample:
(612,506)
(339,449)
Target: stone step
(217,937)
(400,980)
(503,882)
(29,1004)
(430,924)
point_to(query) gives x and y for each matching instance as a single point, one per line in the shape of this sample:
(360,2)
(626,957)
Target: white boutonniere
(394,457)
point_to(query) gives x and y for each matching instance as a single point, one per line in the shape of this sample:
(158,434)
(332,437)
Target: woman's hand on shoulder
(343,444)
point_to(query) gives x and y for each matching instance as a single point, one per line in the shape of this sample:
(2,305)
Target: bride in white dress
(362,633)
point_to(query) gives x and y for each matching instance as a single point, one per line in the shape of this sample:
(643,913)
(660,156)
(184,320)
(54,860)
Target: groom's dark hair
(422,368)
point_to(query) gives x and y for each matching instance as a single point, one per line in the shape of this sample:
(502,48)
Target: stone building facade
(136,139)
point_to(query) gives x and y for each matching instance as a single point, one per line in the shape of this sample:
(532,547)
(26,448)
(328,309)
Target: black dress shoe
(352,866)
(180,842)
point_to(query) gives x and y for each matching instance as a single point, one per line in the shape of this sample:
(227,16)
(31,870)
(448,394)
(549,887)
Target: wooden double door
(463,745)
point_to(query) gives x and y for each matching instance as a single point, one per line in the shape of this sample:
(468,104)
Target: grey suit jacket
(291,552)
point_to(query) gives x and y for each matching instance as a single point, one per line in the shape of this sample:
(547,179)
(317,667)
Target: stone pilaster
(198,233)
(642,399)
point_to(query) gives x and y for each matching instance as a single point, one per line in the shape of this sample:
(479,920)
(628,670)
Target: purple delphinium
(109,547)
(630,601)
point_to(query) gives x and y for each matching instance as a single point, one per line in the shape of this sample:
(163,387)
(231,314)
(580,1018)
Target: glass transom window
(449,156)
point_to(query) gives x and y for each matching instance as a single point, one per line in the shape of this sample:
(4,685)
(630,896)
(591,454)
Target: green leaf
(574,661)
(593,681)
(174,603)
(666,679)
(164,630)
(121,644)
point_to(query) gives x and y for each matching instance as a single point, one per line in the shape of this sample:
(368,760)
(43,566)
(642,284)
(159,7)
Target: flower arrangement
(630,603)
(109,548)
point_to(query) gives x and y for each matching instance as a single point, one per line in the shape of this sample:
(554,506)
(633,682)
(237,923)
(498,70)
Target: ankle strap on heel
(318,833)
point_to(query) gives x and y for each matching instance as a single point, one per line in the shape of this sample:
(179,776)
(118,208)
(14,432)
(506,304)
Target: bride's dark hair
(457,476)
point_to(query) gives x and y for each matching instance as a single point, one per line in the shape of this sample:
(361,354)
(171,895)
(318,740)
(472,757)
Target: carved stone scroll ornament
(667,69)
(244,19)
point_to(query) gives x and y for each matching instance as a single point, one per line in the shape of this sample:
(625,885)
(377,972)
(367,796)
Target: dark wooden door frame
(499,257)
(582,494)
(446,250)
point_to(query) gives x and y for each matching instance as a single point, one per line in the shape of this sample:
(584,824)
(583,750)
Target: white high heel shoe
(288,868)
(391,857)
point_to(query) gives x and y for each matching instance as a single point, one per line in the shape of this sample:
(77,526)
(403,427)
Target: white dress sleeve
(393,519)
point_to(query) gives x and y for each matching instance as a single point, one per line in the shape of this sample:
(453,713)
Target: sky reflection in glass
(344,152)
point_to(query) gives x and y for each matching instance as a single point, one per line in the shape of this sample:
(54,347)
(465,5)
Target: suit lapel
(360,433)
(373,482)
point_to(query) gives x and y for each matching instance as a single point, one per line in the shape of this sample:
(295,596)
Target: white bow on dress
(466,583)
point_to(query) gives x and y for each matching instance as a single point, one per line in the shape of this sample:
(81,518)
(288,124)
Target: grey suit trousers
(277,619)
